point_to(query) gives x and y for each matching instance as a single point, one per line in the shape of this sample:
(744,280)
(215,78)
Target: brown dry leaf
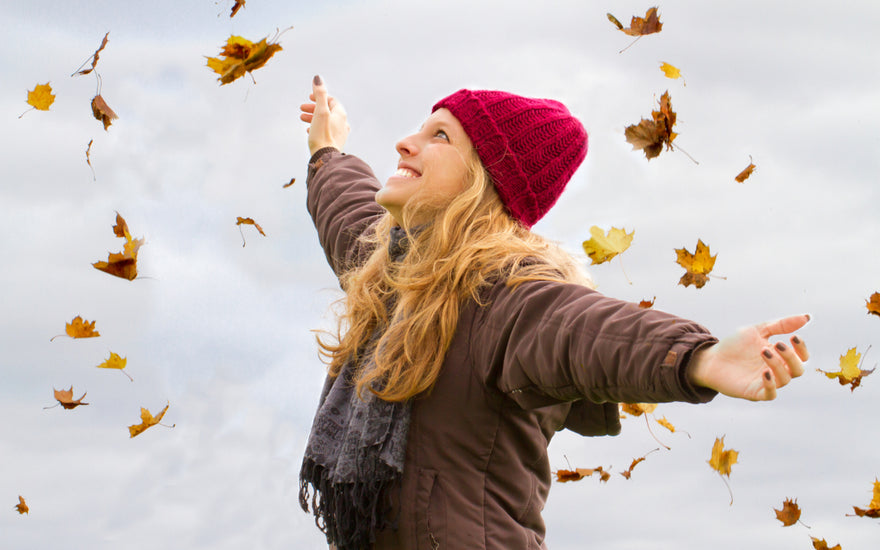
(650,135)
(80,328)
(873,304)
(237,6)
(240,56)
(115,362)
(721,460)
(698,265)
(288,184)
(122,264)
(41,97)
(628,472)
(850,370)
(873,509)
(89,160)
(147,420)
(579,473)
(640,26)
(601,247)
(790,512)
(95,57)
(65,398)
(247,221)
(102,111)
(22,506)
(747,171)
(647,304)
(820,544)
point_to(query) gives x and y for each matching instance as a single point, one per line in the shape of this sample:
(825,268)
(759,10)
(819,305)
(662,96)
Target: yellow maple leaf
(666,424)
(601,247)
(670,71)
(79,328)
(873,509)
(721,460)
(41,97)
(698,265)
(122,264)
(850,370)
(637,409)
(147,420)
(821,544)
(115,362)
(240,56)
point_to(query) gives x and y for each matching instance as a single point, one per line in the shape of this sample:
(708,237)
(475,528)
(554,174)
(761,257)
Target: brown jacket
(533,361)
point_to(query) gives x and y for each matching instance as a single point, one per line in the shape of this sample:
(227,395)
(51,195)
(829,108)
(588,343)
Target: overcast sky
(224,333)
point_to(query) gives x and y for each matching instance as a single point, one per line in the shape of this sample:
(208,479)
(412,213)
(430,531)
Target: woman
(467,341)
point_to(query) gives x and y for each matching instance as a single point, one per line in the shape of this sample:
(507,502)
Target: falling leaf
(66,400)
(873,509)
(577,474)
(873,304)
(22,506)
(722,460)
(820,544)
(850,370)
(122,264)
(94,57)
(237,6)
(102,111)
(41,97)
(241,56)
(147,420)
(640,26)
(647,304)
(650,135)
(247,221)
(89,160)
(116,362)
(601,248)
(637,409)
(79,328)
(747,171)
(628,472)
(666,424)
(671,71)
(698,265)
(790,512)
(288,184)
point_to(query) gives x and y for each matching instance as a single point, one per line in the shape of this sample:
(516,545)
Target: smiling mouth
(405,173)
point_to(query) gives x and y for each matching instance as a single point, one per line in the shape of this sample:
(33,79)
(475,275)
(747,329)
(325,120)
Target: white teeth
(405,173)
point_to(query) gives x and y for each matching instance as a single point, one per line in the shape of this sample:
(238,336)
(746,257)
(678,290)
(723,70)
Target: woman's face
(432,164)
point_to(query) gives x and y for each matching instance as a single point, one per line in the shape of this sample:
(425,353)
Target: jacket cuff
(685,352)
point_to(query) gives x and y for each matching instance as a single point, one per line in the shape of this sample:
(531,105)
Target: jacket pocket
(430,508)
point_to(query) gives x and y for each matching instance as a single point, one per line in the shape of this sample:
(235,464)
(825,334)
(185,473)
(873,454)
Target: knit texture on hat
(531,147)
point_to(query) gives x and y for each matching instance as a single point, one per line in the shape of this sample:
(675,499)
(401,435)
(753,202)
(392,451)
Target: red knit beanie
(531,147)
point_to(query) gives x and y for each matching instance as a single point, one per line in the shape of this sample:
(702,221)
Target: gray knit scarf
(355,454)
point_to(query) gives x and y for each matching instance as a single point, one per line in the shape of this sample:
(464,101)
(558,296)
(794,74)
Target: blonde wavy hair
(405,313)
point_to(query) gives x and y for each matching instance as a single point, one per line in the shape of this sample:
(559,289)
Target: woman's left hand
(746,365)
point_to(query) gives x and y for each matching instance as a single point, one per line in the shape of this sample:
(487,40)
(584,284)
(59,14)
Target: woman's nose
(407,147)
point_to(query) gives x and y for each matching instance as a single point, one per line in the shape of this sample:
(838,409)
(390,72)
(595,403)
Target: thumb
(320,92)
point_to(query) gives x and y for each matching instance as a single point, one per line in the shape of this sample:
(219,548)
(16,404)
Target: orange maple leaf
(147,420)
(647,304)
(79,328)
(698,265)
(850,370)
(873,509)
(241,56)
(577,474)
(747,171)
(22,506)
(94,58)
(40,97)
(66,400)
(790,512)
(237,6)
(247,221)
(102,111)
(873,304)
(650,135)
(628,472)
(820,544)
(122,264)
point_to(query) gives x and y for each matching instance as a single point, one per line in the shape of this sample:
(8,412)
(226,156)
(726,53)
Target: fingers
(768,387)
(782,326)
(800,347)
(319,94)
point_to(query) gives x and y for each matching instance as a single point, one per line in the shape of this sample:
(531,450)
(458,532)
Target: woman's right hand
(328,122)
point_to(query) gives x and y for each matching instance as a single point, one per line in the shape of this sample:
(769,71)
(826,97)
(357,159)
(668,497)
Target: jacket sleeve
(341,201)
(545,343)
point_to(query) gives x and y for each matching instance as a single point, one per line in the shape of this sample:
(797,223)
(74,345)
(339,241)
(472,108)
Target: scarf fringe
(349,514)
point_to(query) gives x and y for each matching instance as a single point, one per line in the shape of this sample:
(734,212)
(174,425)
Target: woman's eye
(441,134)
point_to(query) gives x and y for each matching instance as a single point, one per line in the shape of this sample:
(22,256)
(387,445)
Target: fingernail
(766,353)
(780,346)
(317,80)
(807,315)
(795,339)
(767,375)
